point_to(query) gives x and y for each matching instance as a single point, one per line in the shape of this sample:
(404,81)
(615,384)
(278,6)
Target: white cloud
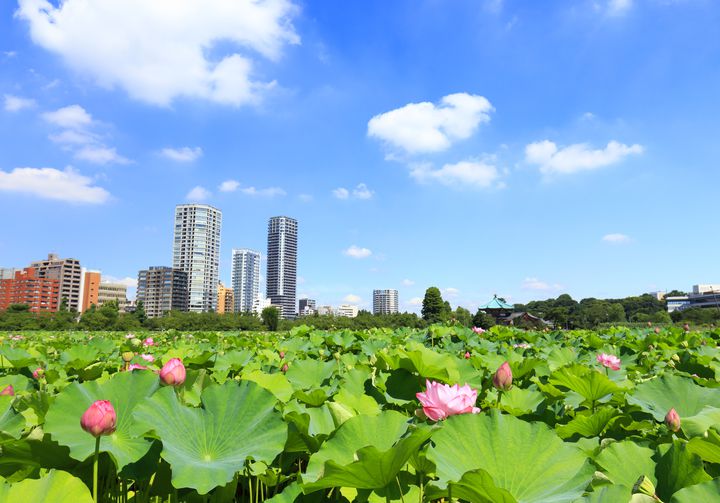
(78,136)
(127,281)
(450,292)
(70,117)
(426,127)
(100,154)
(183,154)
(357,252)
(616,238)
(50,183)
(198,194)
(464,174)
(229,186)
(164,49)
(16,103)
(576,158)
(10,54)
(408,282)
(536,284)
(305,198)
(588,116)
(70,137)
(341,193)
(415,301)
(268,192)
(352,299)
(619,7)
(361,191)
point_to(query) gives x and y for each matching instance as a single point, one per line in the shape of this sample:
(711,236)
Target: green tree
(139,313)
(433,307)
(463,316)
(483,320)
(270,318)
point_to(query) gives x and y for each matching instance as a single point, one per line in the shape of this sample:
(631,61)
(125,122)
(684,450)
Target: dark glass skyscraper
(282,264)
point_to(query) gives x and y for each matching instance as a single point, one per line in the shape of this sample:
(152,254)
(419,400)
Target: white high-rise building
(385,301)
(281,277)
(196,251)
(245,278)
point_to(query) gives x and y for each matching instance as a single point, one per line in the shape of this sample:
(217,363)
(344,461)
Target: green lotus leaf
(624,462)
(309,374)
(528,460)
(288,495)
(708,448)
(705,492)
(18,357)
(124,390)
(678,468)
(18,381)
(277,384)
(611,494)
(478,486)
(697,425)
(660,395)
(11,422)
(206,446)
(588,423)
(56,486)
(519,401)
(366,452)
(589,383)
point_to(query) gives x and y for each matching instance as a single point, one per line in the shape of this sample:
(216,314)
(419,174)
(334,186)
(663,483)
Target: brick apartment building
(27,287)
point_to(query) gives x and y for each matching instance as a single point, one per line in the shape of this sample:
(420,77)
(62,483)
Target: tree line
(562,312)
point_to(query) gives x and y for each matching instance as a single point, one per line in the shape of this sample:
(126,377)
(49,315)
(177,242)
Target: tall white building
(282,264)
(245,278)
(196,251)
(385,301)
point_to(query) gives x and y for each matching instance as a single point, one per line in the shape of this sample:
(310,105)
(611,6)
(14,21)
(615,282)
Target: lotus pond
(621,415)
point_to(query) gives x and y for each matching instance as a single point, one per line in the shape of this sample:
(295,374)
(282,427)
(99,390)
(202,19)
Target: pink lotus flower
(609,361)
(467,355)
(99,419)
(478,330)
(502,380)
(672,420)
(8,391)
(38,372)
(657,330)
(148,342)
(148,358)
(130,336)
(135,366)
(173,372)
(442,400)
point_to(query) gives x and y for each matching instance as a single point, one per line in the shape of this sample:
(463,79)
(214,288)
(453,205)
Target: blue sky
(519,147)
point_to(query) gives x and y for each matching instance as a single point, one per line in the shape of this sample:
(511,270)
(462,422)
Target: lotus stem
(95,469)
(402,498)
(499,397)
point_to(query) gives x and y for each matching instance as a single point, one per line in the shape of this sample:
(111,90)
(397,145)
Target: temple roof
(496,303)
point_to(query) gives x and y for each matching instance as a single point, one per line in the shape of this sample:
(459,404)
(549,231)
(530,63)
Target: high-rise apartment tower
(162,289)
(282,264)
(385,301)
(245,278)
(196,250)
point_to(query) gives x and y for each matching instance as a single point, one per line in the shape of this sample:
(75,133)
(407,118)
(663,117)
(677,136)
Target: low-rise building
(347,310)
(90,287)
(326,311)
(306,307)
(26,287)
(112,292)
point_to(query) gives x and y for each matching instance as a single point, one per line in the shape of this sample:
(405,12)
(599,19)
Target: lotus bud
(467,355)
(644,486)
(281,354)
(657,330)
(649,323)
(99,419)
(285,368)
(502,379)
(8,391)
(38,373)
(686,327)
(127,356)
(672,420)
(173,372)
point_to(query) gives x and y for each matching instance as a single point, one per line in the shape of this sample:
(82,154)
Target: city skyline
(521,148)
